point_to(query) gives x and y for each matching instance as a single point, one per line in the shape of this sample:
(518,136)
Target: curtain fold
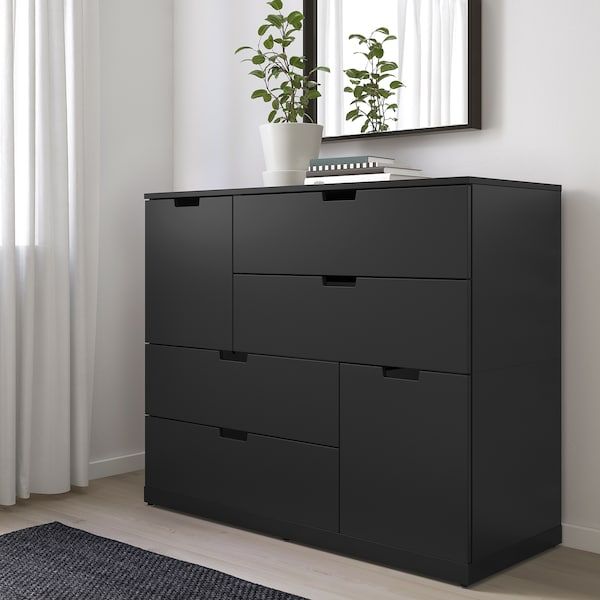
(48,243)
(434,66)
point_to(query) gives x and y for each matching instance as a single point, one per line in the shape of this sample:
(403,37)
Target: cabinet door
(404,460)
(188,272)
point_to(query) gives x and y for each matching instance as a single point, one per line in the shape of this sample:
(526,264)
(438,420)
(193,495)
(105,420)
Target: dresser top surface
(434,182)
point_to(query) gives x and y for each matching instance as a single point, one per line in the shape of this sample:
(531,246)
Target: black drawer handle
(183,202)
(339,195)
(233,356)
(233,434)
(339,281)
(397,373)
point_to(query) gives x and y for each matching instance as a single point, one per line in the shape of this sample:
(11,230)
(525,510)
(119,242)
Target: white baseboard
(581,538)
(117,465)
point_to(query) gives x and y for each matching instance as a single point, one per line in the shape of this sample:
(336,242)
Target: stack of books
(354,169)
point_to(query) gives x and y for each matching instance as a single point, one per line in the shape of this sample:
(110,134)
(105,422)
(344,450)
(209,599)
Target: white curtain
(48,242)
(433,63)
(331,106)
(432,55)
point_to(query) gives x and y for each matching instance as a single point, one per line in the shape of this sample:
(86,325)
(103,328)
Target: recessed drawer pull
(398,373)
(339,195)
(183,202)
(233,356)
(339,281)
(233,434)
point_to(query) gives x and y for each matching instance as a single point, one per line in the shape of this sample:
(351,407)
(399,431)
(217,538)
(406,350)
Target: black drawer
(279,479)
(188,272)
(421,324)
(404,461)
(287,398)
(419,232)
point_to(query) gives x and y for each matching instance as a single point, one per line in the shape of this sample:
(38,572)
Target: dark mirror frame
(474,57)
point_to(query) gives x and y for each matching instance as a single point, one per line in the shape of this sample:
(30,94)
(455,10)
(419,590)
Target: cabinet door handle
(183,202)
(338,195)
(233,356)
(399,373)
(339,281)
(233,434)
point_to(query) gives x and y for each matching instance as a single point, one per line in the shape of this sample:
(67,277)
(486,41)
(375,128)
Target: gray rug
(58,562)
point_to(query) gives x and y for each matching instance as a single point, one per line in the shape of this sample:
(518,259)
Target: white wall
(136,56)
(541,103)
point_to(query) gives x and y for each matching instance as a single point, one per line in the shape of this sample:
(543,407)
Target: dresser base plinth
(461,574)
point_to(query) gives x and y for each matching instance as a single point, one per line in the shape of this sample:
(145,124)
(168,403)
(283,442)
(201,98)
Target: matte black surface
(454,476)
(421,324)
(461,573)
(400,184)
(516,366)
(285,480)
(420,232)
(188,273)
(56,562)
(293,399)
(474,73)
(404,461)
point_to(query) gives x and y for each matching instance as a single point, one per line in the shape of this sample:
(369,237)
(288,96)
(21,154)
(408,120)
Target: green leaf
(349,90)
(276,4)
(324,69)
(295,18)
(243,48)
(389,38)
(269,43)
(272,115)
(257,73)
(259,94)
(275,104)
(378,52)
(389,67)
(357,36)
(352,114)
(383,30)
(364,127)
(396,84)
(297,61)
(276,20)
(259,59)
(264,28)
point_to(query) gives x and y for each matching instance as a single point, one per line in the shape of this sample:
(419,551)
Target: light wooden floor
(114,507)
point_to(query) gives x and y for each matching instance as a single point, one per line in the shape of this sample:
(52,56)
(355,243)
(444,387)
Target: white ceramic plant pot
(288,149)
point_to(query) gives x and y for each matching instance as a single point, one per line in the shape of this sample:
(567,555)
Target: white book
(359,178)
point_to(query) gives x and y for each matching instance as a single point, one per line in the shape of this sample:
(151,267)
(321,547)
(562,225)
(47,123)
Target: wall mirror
(397,66)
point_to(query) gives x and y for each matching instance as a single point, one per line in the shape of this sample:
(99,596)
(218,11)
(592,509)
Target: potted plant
(290,139)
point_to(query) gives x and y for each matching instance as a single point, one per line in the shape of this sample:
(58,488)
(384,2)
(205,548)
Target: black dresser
(372,369)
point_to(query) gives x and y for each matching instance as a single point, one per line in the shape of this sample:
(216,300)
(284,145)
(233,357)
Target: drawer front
(287,398)
(421,324)
(289,481)
(404,460)
(188,272)
(418,232)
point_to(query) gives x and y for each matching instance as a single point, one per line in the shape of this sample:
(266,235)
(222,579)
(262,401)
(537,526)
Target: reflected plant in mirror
(434,45)
(374,99)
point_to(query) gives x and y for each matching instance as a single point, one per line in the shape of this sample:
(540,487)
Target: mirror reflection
(395,65)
